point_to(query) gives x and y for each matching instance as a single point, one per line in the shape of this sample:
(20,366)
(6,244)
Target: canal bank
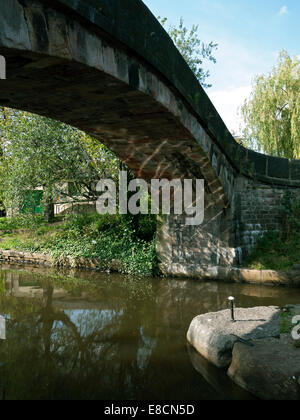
(87,241)
(289,278)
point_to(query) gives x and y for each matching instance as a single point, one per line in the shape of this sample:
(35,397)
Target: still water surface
(82,335)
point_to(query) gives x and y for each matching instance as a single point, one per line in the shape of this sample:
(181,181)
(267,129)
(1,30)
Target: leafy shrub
(20,222)
(127,239)
(146,227)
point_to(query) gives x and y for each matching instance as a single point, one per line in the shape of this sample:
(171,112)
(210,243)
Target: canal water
(87,335)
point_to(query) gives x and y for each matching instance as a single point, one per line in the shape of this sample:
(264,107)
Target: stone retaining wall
(227,235)
(227,274)
(257,209)
(14,257)
(244,275)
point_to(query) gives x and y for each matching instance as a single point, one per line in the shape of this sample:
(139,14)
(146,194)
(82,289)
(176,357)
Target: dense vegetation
(37,152)
(43,157)
(280,250)
(45,162)
(129,240)
(272,113)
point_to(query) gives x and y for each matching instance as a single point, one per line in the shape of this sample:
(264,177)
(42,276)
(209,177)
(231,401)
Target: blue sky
(250,34)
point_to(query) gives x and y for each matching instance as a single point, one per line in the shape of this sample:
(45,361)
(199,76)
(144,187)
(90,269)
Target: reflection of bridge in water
(96,336)
(113,71)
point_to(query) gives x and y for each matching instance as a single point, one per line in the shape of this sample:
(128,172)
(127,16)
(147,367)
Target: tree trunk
(48,210)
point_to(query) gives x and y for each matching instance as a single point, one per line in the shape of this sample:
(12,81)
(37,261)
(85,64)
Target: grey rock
(270,370)
(214,335)
(223,386)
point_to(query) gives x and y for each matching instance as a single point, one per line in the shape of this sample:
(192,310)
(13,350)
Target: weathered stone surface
(255,208)
(275,277)
(270,370)
(214,334)
(233,274)
(217,378)
(115,74)
(251,276)
(15,257)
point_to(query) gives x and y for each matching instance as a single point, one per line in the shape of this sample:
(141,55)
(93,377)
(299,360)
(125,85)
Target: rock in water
(270,370)
(213,335)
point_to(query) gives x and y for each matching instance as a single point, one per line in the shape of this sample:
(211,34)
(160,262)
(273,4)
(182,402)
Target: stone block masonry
(228,234)
(37,259)
(113,72)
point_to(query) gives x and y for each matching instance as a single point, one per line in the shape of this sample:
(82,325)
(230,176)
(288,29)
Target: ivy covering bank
(129,240)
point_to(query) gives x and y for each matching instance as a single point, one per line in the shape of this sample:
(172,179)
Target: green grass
(131,240)
(286,322)
(274,253)
(9,225)
(286,325)
(280,250)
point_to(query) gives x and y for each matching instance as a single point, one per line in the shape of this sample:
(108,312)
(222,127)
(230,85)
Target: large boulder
(223,386)
(214,335)
(270,370)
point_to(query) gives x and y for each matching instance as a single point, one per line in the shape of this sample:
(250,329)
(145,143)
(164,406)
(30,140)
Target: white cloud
(228,102)
(283,11)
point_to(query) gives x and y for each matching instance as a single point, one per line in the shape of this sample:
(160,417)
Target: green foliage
(280,250)
(102,237)
(193,50)
(37,152)
(146,226)
(286,324)
(8,225)
(272,114)
(103,160)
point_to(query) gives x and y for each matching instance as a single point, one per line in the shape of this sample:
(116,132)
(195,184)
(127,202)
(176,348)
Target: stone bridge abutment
(110,69)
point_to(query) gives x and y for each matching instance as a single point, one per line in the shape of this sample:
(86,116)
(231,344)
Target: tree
(1,170)
(272,114)
(38,152)
(193,50)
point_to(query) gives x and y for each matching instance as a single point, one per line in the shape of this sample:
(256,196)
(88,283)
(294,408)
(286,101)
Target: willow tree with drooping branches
(272,113)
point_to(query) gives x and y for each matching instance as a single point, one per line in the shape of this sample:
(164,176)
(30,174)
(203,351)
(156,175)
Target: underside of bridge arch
(65,68)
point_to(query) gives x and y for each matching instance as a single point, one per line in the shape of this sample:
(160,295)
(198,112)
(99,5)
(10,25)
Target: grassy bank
(130,240)
(274,253)
(280,250)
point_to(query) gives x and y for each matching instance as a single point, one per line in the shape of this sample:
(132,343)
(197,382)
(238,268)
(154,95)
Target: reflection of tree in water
(114,339)
(130,350)
(55,354)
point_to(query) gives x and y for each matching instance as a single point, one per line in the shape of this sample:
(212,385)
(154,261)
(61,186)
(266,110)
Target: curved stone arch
(142,120)
(76,61)
(147,39)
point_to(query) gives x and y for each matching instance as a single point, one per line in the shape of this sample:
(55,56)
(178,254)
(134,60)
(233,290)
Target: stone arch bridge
(110,69)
